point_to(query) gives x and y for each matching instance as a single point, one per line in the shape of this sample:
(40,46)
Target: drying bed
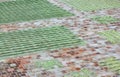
(50,38)
(105,19)
(27,10)
(111,35)
(112,63)
(85,5)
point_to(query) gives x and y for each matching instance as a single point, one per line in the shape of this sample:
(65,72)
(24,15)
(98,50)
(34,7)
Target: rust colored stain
(20,62)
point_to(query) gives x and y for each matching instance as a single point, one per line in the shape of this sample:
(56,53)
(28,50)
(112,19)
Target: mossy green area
(82,73)
(112,63)
(90,5)
(48,64)
(105,19)
(33,40)
(111,35)
(27,10)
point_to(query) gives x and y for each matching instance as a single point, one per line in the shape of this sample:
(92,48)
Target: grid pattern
(89,5)
(27,10)
(20,42)
(111,35)
(105,19)
(48,64)
(112,63)
(10,73)
(83,73)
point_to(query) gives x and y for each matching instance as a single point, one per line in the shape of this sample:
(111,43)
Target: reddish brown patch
(20,62)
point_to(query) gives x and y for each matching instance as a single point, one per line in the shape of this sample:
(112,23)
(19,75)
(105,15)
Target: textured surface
(105,19)
(82,73)
(21,42)
(111,35)
(72,59)
(89,5)
(112,63)
(27,10)
(48,64)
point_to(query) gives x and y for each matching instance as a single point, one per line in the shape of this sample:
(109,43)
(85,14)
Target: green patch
(27,10)
(48,64)
(105,19)
(90,5)
(82,73)
(111,35)
(112,63)
(28,41)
